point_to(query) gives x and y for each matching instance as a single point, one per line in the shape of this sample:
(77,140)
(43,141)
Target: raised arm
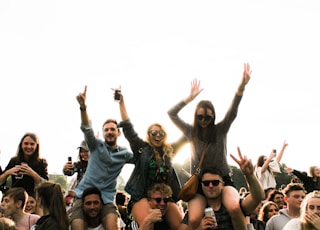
(256,190)
(266,163)
(81,98)
(123,109)
(285,144)
(245,79)
(194,91)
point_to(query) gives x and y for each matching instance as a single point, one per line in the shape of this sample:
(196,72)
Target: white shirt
(267,178)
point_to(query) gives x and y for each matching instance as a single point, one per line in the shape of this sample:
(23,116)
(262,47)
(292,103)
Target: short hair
(17,194)
(161,187)
(211,171)
(91,190)
(293,187)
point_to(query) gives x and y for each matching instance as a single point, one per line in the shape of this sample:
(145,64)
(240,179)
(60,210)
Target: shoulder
(293,224)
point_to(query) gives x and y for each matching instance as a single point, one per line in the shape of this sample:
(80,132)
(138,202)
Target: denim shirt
(143,153)
(104,166)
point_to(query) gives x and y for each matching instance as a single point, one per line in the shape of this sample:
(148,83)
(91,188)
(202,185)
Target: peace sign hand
(244,163)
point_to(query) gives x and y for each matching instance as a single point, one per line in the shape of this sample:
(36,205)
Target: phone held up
(70,172)
(275,152)
(117,95)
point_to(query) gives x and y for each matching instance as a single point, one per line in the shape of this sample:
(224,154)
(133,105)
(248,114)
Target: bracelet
(83,109)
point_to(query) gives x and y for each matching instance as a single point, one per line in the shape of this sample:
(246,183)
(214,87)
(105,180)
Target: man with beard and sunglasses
(212,185)
(105,164)
(159,195)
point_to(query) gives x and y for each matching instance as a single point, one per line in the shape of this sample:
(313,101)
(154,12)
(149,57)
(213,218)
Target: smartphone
(69,159)
(117,95)
(275,152)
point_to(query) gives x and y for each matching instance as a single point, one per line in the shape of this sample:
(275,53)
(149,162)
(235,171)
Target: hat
(84,146)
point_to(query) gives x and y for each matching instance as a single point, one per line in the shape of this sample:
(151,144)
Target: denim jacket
(143,153)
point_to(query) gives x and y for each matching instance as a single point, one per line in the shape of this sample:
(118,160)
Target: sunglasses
(206,117)
(213,182)
(159,199)
(155,133)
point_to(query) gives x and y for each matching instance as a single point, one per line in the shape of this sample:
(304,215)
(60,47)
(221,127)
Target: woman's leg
(196,208)
(140,210)
(173,215)
(230,199)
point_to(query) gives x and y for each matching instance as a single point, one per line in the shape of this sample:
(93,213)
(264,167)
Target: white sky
(49,50)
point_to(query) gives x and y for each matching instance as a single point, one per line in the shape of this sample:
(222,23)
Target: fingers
(85,90)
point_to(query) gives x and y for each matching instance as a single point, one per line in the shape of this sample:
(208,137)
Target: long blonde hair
(166,147)
(304,206)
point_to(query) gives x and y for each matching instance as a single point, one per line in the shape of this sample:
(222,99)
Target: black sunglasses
(206,117)
(159,199)
(155,133)
(214,182)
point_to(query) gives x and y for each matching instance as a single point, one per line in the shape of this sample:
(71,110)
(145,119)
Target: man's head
(110,132)
(159,195)
(212,183)
(294,194)
(13,201)
(92,202)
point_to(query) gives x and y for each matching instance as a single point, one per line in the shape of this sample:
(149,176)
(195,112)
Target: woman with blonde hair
(153,164)
(310,214)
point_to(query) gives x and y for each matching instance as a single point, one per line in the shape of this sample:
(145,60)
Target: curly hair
(166,147)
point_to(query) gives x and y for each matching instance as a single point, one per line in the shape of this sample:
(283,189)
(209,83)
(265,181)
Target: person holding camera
(79,167)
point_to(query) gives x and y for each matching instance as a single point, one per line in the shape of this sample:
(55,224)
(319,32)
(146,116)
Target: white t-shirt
(267,178)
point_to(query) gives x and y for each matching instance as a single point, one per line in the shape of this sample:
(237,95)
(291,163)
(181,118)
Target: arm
(184,127)
(123,109)
(245,79)
(81,98)
(285,144)
(256,190)
(153,217)
(266,163)
(12,171)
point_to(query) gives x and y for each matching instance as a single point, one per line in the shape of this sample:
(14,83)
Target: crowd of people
(150,197)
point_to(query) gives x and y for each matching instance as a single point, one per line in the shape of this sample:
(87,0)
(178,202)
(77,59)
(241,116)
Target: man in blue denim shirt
(105,164)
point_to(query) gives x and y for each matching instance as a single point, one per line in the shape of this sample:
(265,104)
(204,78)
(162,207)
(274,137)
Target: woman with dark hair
(78,167)
(153,164)
(204,131)
(267,166)
(26,168)
(268,209)
(50,200)
(277,197)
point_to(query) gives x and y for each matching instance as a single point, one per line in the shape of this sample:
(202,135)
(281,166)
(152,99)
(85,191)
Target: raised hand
(81,98)
(244,163)
(195,88)
(246,74)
